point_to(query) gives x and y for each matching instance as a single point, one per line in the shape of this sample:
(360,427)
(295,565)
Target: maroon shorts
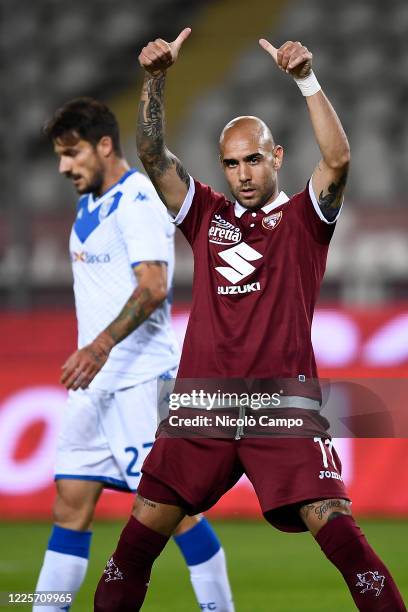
(195,472)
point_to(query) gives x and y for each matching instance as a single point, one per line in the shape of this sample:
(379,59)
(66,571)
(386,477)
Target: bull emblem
(371,581)
(112,571)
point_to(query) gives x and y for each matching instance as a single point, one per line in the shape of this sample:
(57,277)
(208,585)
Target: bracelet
(309,85)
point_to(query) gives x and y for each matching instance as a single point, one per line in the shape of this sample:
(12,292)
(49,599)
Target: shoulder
(140,203)
(207,193)
(137,186)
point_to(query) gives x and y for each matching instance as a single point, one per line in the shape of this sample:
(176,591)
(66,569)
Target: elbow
(158,295)
(341,160)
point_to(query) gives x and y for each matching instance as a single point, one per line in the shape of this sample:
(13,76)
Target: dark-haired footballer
(122,253)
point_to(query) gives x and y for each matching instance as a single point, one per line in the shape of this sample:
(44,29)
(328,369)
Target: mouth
(248,192)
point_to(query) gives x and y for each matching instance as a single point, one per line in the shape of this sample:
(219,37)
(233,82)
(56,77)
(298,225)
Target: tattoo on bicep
(182,173)
(330,202)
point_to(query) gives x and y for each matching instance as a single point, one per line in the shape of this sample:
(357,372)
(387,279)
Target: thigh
(83,451)
(195,471)
(75,502)
(288,471)
(130,425)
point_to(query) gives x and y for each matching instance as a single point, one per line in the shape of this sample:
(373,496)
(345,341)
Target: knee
(163,518)
(186,524)
(72,511)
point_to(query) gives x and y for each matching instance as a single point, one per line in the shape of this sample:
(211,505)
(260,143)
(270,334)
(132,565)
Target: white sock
(60,573)
(65,564)
(211,585)
(205,559)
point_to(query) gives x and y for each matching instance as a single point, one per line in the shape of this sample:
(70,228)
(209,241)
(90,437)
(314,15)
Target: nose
(244,173)
(64,165)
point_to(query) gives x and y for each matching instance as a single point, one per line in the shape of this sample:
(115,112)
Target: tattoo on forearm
(330,202)
(330,507)
(137,309)
(150,127)
(156,158)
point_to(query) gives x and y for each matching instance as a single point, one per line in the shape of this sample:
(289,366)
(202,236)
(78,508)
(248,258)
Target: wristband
(309,85)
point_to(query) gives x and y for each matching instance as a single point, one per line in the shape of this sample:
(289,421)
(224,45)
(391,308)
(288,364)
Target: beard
(93,185)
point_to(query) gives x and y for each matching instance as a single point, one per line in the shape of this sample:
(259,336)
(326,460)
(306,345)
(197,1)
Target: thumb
(184,34)
(269,48)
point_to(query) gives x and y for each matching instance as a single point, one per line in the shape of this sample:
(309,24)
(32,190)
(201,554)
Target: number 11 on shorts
(325,447)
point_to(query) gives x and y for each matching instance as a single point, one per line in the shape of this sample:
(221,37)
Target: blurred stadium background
(53,51)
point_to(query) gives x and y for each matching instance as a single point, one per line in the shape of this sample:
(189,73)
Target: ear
(277,157)
(105,146)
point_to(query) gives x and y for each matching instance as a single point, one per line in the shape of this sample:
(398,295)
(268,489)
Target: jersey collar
(282,198)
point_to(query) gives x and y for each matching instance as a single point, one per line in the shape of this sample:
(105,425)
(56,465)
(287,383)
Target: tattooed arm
(329,176)
(166,172)
(83,365)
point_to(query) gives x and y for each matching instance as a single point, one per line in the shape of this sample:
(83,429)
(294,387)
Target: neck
(117,169)
(269,200)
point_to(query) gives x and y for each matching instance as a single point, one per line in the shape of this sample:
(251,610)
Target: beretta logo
(272,221)
(223,232)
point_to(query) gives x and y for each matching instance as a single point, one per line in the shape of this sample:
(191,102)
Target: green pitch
(269,571)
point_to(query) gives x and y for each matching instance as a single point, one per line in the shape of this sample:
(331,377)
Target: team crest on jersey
(223,232)
(105,207)
(272,221)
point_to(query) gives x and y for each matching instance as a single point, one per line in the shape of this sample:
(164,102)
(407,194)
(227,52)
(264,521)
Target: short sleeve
(198,204)
(312,217)
(145,227)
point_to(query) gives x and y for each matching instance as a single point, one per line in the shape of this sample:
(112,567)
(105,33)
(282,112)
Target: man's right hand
(159,55)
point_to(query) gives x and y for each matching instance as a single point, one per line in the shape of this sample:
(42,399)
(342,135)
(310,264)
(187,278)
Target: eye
(230,163)
(254,160)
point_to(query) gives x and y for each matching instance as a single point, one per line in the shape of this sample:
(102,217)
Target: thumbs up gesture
(159,55)
(291,57)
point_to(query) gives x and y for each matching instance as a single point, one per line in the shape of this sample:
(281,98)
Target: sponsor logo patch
(272,221)
(235,289)
(89,258)
(330,474)
(223,232)
(371,581)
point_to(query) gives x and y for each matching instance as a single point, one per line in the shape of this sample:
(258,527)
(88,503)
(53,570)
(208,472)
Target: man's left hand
(83,365)
(291,57)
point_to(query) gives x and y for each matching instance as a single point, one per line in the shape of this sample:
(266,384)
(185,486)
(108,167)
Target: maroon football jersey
(257,276)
